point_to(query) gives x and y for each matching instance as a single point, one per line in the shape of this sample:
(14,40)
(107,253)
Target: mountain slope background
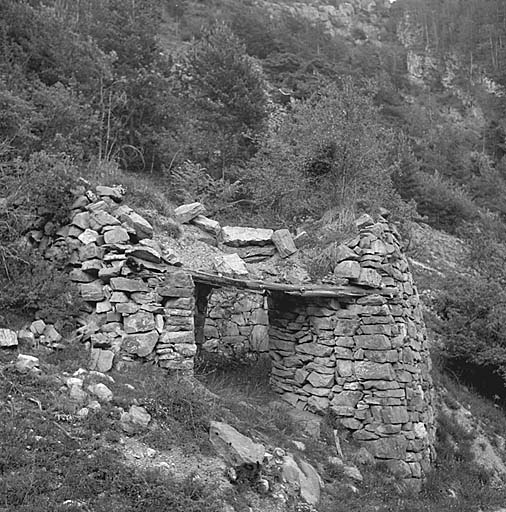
(280,114)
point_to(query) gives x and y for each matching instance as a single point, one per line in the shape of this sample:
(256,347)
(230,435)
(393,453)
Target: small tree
(226,94)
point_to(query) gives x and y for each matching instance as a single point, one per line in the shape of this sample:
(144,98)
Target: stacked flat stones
(366,358)
(138,303)
(237,324)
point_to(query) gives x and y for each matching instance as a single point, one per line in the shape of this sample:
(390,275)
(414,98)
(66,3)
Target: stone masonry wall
(365,358)
(237,324)
(137,305)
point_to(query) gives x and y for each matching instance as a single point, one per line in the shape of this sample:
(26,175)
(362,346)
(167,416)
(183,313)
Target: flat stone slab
(206,224)
(236,236)
(234,447)
(187,212)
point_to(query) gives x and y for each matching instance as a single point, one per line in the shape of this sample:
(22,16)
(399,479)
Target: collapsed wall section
(137,303)
(365,358)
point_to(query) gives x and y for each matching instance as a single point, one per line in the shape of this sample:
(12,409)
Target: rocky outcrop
(355,19)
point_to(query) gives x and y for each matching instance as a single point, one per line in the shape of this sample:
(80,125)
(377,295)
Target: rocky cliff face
(359,20)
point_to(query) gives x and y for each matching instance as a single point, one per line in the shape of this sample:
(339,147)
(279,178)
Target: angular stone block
(141,321)
(284,243)
(186,212)
(348,269)
(141,344)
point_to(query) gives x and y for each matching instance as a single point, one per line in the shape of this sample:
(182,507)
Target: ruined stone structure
(356,346)
(365,357)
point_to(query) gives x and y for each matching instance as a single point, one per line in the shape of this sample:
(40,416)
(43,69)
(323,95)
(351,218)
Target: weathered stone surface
(348,269)
(234,447)
(134,221)
(172,338)
(364,221)
(395,414)
(92,292)
(259,338)
(81,220)
(115,193)
(398,468)
(284,243)
(320,380)
(26,338)
(145,253)
(372,342)
(302,476)
(37,327)
(100,218)
(128,285)
(343,252)
(393,447)
(101,360)
(90,251)
(92,266)
(136,419)
(369,277)
(117,235)
(26,363)
(236,236)
(368,370)
(314,349)
(8,338)
(88,236)
(206,224)
(141,344)
(101,391)
(231,265)
(187,212)
(346,398)
(51,334)
(141,321)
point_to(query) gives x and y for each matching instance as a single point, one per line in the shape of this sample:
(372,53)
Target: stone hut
(356,346)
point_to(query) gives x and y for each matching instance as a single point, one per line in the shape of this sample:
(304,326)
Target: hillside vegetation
(270,121)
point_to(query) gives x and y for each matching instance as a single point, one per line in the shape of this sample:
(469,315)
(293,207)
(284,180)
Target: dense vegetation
(267,118)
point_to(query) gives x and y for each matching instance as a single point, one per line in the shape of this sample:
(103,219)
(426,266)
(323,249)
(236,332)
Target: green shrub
(38,193)
(330,152)
(445,204)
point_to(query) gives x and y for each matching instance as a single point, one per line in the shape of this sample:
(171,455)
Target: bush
(38,194)
(446,205)
(330,152)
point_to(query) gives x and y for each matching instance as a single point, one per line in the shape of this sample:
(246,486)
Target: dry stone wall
(366,358)
(237,324)
(138,303)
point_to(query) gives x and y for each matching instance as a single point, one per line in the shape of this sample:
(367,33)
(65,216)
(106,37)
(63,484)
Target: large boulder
(234,447)
(236,236)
